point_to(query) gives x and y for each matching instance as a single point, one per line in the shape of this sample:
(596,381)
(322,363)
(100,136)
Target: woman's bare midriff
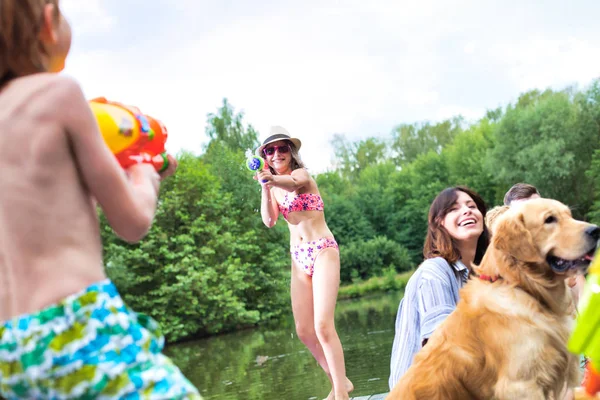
(307,226)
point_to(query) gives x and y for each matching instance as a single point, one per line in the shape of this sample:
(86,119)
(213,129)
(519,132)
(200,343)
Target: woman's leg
(326,280)
(302,308)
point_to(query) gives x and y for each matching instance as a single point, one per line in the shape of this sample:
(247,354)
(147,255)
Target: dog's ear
(511,237)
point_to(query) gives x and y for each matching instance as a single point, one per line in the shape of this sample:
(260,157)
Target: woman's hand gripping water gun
(132,136)
(257,164)
(585,338)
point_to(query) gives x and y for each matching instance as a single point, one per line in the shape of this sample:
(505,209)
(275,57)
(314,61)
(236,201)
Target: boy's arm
(129,204)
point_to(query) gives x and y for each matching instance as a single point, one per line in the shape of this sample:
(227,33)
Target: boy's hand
(170,169)
(141,173)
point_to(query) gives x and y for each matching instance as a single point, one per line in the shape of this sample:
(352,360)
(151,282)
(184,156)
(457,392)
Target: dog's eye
(551,219)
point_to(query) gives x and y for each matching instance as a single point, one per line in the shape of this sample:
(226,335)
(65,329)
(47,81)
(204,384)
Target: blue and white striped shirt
(431,294)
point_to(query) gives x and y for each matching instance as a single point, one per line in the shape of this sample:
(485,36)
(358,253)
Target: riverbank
(390,281)
(271,363)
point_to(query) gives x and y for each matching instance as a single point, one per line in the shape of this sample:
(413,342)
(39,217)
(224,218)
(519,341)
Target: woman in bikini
(288,188)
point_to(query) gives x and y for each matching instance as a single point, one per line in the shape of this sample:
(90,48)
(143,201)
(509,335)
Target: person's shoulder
(436,268)
(50,88)
(434,263)
(43,94)
(300,171)
(62,87)
(309,183)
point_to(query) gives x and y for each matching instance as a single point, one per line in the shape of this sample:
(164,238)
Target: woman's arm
(437,295)
(298,179)
(269,209)
(428,300)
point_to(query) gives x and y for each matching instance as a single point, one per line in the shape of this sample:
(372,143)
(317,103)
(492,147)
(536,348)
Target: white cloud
(539,62)
(322,67)
(88,16)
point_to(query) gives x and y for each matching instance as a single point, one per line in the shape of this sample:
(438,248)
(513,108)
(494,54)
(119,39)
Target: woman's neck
(467,253)
(284,171)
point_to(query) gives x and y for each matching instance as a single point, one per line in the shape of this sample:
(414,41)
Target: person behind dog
(66,332)
(520,192)
(315,275)
(456,239)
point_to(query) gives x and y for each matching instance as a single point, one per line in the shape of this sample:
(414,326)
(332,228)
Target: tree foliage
(209,265)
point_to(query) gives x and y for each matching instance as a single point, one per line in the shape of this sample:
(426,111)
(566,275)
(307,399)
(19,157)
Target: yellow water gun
(585,338)
(132,137)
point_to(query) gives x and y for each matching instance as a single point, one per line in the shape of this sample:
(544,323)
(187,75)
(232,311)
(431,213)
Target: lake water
(271,363)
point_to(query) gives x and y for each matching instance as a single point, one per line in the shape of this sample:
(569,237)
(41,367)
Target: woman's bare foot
(349,385)
(349,388)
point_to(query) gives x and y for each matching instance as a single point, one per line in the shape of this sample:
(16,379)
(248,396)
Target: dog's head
(542,235)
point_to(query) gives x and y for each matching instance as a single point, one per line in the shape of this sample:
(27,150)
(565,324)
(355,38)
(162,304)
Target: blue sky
(321,67)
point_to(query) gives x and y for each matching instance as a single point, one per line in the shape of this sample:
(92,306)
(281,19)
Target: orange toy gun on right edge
(131,136)
(585,338)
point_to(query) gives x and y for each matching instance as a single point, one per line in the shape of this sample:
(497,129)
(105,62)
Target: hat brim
(297,143)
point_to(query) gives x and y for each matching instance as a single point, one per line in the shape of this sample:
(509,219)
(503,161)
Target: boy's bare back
(53,166)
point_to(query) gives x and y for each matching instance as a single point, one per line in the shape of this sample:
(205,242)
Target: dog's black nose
(593,231)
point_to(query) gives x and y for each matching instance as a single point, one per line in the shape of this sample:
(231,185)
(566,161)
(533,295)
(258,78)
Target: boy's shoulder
(46,86)
(59,86)
(40,96)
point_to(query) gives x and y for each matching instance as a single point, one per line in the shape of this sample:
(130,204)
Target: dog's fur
(507,338)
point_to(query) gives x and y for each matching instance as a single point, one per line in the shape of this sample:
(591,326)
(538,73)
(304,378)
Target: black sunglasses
(269,151)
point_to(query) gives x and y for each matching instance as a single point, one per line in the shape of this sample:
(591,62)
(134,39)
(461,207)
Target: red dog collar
(488,278)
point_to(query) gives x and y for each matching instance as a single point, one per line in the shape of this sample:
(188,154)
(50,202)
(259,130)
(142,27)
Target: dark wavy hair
(438,242)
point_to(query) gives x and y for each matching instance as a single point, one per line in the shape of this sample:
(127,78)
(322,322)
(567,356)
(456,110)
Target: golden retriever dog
(492,215)
(507,337)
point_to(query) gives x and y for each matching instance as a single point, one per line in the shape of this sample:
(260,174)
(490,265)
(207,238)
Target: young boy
(64,330)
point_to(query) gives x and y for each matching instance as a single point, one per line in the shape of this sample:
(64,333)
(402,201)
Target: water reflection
(272,363)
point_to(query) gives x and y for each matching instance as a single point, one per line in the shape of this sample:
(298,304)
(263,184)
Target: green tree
(411,141)
(199,271)
(466,158)
(354,157)
(547,139)
(408,198)
(227,126)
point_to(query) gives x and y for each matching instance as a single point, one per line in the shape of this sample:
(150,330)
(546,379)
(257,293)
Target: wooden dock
(371,397)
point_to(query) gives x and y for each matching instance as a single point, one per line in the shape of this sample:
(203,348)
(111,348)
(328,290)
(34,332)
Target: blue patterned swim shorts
(88,346)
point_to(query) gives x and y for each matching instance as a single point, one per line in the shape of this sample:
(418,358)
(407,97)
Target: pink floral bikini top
(301,202)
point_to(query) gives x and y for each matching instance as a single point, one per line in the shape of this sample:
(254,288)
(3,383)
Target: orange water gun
(132,137)
(585,338)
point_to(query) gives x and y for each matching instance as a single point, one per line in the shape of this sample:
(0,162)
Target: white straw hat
(278,133)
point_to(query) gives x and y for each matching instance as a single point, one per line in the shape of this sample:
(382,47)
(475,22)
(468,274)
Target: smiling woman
(287,188)
(456,239)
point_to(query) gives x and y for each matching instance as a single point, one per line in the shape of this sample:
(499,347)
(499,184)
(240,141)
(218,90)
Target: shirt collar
(461,269)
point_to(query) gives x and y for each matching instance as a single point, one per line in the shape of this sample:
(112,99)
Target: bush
(390,281)
(364,259)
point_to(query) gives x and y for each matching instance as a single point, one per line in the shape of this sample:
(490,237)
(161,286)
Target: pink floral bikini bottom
(306,253)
